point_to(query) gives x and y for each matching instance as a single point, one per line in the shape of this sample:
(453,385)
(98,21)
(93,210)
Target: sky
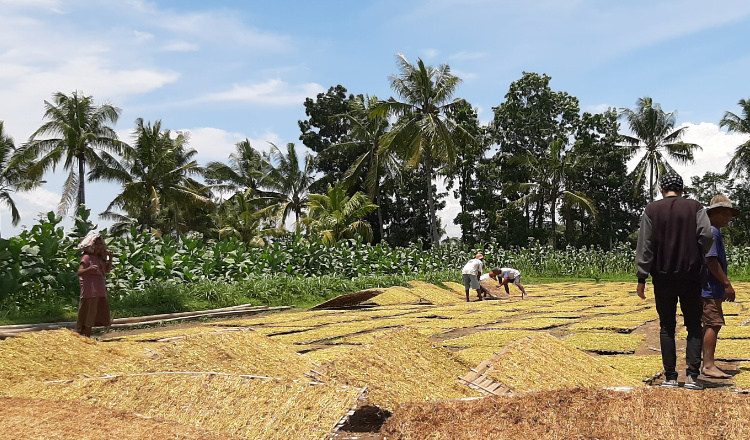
(224,71)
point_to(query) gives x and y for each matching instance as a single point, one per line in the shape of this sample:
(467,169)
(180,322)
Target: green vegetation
(543,187)
(162,274)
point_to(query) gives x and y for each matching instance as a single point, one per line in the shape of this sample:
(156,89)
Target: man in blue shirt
(718,288)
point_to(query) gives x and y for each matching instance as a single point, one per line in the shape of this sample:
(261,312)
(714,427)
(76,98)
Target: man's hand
(641,290)
(729,293)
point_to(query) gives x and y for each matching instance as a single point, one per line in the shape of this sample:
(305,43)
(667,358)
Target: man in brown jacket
(674,235)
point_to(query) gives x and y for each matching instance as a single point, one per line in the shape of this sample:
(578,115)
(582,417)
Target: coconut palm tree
(740,162)
(78,134)
(653,132)
(337,216)
(244,171)
(13,174)
(549,183)
(287,182)
(157,179)
(246,218)
(424,134)
(375,164)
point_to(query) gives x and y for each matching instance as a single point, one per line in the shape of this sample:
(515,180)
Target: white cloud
(599,108)
(180,46)
(430,53)
(22,97)
(143,37)
(461,56)
(718,148)
(51,5)
(465,76)
(271,92)
(216,144)
(218,27)
(40,198)
(451,210)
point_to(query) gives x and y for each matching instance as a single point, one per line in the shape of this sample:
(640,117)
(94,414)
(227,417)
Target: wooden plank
(141,320)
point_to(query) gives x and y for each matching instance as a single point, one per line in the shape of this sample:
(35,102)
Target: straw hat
(722,202)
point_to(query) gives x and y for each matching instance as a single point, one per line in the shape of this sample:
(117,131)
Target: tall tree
(530,120)
(703,189)
(158,187)
(739,165)
(425,135)
(326,126)
(244,216)
(374,163)
(602,175)
(653,133)
(336,216)
(243,173)
(13,174)
(550,183)
(288,180)
(78,133)
(464,173)
(405,215)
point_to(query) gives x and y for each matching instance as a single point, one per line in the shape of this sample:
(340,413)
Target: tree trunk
(431,205)
(81,199)
(379,198)
(462,179)
(554,224)
(651,183)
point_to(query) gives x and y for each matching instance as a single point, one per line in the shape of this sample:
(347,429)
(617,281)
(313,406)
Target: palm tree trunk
(381,230)
(81,199)
(554,225)
(466,231)
(651,183)
(431,205)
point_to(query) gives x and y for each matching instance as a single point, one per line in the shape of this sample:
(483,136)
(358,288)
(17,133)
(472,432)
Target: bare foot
(715,373)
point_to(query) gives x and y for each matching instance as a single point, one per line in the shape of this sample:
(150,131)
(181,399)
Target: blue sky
(226,70)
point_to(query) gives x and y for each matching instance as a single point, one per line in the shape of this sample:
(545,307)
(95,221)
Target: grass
(168,297)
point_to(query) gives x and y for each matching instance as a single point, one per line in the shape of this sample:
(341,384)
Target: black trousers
(667,294)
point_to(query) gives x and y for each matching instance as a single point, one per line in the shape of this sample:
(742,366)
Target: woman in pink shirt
(96,262)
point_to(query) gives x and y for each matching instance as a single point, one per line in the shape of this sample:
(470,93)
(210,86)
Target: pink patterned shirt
(92,283)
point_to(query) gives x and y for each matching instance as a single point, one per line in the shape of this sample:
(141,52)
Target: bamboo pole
(179,318)
(15,330)
(133,319)
(68,324)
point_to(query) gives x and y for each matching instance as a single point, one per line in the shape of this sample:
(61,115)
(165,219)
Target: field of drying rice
(420,353)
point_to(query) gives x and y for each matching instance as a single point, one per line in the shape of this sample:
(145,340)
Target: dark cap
(671,181)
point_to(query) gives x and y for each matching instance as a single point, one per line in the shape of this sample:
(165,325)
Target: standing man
(718,288)
(471,273)
(674,236)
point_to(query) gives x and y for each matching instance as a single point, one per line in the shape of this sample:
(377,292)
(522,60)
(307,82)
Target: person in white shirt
(510,275)
(471,273)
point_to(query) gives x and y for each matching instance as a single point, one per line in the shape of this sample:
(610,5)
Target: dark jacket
(674,236)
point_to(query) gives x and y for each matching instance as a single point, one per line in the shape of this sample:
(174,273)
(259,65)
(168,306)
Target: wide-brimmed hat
(87,244)
(722,202)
